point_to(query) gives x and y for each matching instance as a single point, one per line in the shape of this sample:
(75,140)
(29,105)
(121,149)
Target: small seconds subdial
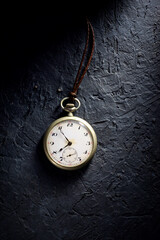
(69,155)
(70,142)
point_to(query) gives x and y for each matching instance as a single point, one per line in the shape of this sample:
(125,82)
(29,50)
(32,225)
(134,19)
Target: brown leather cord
(80,76)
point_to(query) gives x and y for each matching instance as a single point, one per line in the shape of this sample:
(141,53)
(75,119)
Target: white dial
(69,142)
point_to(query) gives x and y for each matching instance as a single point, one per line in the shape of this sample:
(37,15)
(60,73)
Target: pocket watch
(70,142)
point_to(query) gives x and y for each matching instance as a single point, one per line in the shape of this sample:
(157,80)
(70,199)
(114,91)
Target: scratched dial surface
(69,143)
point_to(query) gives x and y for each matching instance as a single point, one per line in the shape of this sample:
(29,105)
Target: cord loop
(80,76)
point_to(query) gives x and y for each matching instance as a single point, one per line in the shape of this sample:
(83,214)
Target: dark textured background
(117,196)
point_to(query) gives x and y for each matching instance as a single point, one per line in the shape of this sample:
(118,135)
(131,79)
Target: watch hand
(71,154)
(63,147)
(66,137)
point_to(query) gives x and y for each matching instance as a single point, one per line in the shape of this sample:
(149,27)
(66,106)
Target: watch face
(70,142)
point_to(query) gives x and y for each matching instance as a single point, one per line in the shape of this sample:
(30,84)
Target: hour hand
(68,144)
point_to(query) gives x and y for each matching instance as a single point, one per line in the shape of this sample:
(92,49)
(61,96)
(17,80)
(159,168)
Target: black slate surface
(117,195)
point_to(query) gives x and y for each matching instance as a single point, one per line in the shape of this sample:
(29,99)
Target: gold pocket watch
(70,142)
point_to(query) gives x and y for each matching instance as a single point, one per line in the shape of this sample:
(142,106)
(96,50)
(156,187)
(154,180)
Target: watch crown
(70,107)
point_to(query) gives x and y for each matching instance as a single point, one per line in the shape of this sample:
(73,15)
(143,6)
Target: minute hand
(69,143)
